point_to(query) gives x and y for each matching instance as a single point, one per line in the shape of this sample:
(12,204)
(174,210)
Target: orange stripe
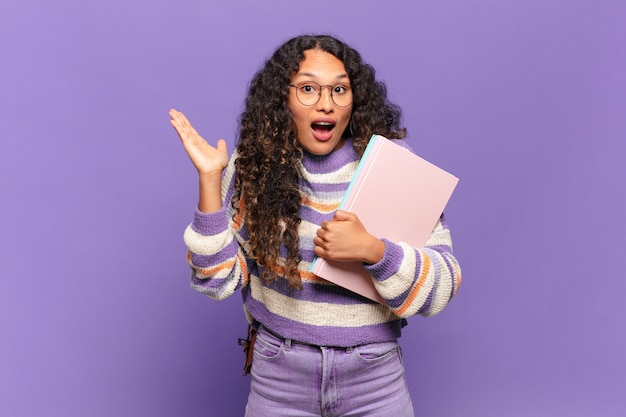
(416,289)
(244,269)
(458,282)
(221,267)
(324,208)
(226,265)
(237,221)
(309,276)
(218,268)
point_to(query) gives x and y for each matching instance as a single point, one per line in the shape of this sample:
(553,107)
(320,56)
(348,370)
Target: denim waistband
(289,342)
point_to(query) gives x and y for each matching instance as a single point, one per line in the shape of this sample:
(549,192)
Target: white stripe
(344,174)
(444,284)
(320,314)
(402,280)
(206,245)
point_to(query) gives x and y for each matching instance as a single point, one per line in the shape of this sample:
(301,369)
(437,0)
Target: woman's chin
(322,147)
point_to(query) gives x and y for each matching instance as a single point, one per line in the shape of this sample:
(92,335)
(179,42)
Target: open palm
(206,158)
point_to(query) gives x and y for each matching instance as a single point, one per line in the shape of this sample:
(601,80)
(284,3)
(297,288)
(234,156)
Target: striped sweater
(412,281)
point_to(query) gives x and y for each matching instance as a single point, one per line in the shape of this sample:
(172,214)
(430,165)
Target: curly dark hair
(267,194)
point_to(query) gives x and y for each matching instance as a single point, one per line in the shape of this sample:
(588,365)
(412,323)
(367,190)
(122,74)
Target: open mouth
(323,126)
(323,131)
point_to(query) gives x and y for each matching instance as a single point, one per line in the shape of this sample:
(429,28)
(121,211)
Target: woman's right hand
(208,160)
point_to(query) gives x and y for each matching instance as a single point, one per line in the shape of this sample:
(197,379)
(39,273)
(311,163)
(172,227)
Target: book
(397,195)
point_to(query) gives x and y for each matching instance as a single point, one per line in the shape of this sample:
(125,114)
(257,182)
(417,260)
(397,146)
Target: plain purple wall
(525,101)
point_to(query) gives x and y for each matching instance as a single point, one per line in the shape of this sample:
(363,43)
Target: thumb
(342,215)
(221,146)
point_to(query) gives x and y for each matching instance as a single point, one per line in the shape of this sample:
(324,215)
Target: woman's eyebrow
(312,75)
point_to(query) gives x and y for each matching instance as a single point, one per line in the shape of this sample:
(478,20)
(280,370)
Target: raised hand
(207,159)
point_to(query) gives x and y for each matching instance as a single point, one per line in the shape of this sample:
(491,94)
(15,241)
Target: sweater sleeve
(418,281)
(217,260)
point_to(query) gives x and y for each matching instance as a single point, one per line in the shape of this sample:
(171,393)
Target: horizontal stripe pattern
(412,281)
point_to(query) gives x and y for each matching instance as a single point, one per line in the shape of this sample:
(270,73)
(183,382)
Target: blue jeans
(299,380)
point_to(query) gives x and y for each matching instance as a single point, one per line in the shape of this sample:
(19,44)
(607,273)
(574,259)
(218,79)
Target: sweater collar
(332,161)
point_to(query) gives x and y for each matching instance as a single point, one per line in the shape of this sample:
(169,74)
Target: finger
(183,127)
(177,117)
(183,124)
(221,146)
(319,252)
(320,237)
(180,130)
(177,120)
(341,215)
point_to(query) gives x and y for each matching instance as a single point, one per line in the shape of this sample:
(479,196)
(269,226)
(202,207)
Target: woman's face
(321,125)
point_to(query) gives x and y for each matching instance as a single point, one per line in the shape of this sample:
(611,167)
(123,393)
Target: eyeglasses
(309,93)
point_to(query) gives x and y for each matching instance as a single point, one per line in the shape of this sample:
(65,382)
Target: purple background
(525,101)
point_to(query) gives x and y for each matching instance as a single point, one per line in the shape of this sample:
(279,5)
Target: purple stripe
(332,162)
(442,261)
(399,300)
(329,191)
(209,223)
(207,286)
(206,261)
(452,276)
(307,254)
(427,304)
(440,248)
(313,216)
(390,264)
(324,335)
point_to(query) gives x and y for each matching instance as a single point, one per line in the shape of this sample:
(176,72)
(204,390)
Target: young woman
(267,210)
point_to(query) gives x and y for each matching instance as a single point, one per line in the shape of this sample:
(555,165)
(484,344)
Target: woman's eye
(308,88)
(340,89)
